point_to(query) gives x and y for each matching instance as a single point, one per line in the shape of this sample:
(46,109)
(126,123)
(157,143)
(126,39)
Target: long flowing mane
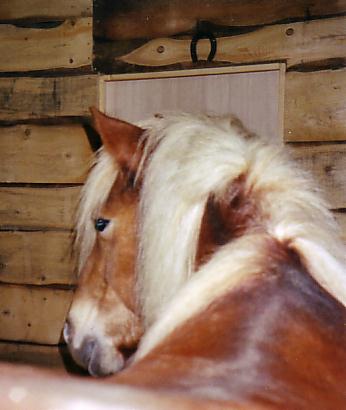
(101,178)
(189,158)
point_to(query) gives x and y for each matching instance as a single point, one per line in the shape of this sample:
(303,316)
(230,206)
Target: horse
(219,258)
(103,321)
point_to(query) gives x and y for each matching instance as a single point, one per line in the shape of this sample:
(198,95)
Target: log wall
(48,81)
(47,85)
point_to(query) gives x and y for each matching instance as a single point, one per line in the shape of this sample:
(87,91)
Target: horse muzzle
(98,358)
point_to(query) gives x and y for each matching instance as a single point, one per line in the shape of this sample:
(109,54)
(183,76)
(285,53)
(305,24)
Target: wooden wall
(46,87)
(47,83)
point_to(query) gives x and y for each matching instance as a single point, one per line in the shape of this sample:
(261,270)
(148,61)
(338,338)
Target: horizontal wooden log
(33,314)
(327,163)
(315,106)
(38,208)
(44,154)
(38,355)
(32,98)
(43,10)
(37,258)
(26,49)
(52,357)
(169,18)
(296,43)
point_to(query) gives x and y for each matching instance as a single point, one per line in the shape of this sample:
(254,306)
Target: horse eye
(101,224)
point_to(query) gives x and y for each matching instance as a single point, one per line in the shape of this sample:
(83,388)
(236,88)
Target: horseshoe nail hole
(160,49)
(289,31)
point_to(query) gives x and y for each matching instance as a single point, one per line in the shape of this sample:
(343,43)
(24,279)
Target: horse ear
(120,139)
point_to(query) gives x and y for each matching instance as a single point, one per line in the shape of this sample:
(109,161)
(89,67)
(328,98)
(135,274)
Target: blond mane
(188,158)
(101,178)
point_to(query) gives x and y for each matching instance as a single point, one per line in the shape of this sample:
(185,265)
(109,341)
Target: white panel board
(255,97)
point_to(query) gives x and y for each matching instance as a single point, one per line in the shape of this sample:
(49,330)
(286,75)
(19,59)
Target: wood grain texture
(44,154)
(33,314)
(44,356)
(152,19)
(26,49)
(327,163)
(38,208)
(37,258)
(31,98)
(315,106)
(296,44)
(43,10)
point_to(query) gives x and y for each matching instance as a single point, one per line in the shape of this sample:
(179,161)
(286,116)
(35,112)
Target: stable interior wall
(49,79)
(46,87)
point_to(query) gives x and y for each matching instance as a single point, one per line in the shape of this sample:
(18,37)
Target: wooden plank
(152,19)
(38,208)
(67,46)
(37,258)
(43,10)
(33,314)
(296,43)
(38,355)
(52,357)
(315,106)
(29,98)
(44,154)
(253,68)
(327,163)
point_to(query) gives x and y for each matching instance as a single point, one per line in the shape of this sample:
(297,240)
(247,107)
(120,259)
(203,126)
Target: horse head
(103,323)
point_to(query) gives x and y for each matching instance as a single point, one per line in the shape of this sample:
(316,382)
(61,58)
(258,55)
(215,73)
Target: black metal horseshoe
(193,47)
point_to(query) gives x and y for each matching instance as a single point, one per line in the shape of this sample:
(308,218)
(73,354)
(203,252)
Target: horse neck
(281,203)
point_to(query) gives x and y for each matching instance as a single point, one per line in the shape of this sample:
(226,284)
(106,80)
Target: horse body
(276,339)
(240,273)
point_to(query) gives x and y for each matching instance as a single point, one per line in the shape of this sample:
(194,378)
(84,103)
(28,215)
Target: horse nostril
(127,351)
(86,350)
(67,332)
